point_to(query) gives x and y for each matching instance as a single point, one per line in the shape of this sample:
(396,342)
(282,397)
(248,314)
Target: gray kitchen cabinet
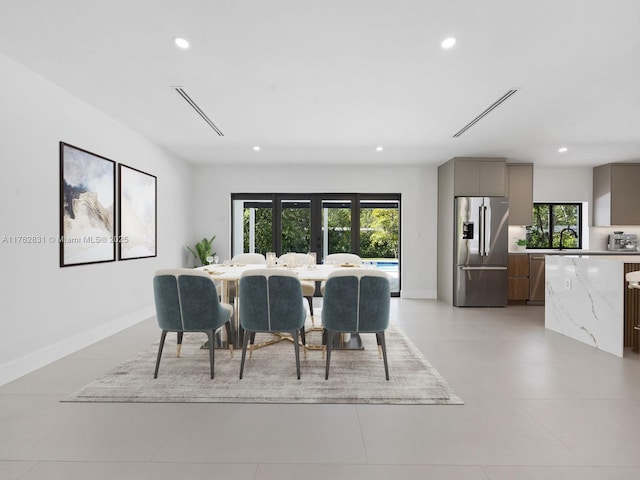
(480,177)
(520,193)
(616,194)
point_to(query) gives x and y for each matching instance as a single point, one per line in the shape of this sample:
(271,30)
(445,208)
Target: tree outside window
(553,222)
(379,232)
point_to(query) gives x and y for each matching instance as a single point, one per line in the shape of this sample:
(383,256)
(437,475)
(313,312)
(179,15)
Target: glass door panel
(295,227)
(364,224)
(253,226)
(379,237)
(336,227)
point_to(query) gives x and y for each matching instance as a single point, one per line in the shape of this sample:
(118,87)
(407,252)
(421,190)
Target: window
(553,223)
(362,223)
(257,222)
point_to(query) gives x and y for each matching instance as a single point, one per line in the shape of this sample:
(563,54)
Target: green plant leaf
(203,249)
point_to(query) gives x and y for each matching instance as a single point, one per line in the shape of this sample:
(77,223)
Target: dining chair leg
(210,334)
(296,348)
(244,351)
(252,337)
(304,342)
(162,337)
(380,336)
(379,345)
(310,301)
(179,344)
(329,344)
(324,342)
(229,337)
(240,335)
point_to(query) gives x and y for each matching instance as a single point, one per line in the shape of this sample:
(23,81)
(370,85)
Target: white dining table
(230,274)
(227,274)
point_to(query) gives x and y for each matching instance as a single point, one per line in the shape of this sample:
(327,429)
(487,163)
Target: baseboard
(425,294)
(38,359)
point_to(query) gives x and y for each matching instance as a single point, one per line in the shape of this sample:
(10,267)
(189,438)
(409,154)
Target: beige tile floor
(538,406)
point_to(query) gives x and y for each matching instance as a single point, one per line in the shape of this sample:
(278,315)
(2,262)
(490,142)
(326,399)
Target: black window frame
(277,201)
(550,232)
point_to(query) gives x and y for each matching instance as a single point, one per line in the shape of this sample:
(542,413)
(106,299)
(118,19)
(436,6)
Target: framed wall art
(87,203)
(137,209)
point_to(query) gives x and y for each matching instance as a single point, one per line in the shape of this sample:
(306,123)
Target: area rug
(356,377)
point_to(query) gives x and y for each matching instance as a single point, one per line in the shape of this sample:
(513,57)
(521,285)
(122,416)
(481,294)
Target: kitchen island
(585,298)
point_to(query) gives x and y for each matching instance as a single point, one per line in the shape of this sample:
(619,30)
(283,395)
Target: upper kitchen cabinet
(616,194)
(520,193)
(479,177)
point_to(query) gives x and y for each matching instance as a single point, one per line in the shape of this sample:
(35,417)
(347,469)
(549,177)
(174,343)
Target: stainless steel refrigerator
(481,252)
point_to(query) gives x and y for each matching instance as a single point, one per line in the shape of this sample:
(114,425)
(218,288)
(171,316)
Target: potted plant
(203,249)
(521,243)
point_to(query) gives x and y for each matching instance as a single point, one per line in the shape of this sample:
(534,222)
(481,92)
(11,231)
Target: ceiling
(329,81)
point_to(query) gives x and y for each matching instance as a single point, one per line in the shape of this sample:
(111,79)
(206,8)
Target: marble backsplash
(516,232)
(598,236)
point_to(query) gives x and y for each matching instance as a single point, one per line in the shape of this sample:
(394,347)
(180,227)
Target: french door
(365,224)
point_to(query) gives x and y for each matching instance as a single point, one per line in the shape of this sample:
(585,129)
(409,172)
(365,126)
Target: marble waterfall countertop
(584,298)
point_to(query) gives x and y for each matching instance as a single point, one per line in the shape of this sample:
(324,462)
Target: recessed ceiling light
(562,149)
(448,42)
(256,148)
(181,42)
(379,149)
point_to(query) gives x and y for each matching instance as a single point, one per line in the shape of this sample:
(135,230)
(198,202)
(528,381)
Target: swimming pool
(386,265)
(391,267)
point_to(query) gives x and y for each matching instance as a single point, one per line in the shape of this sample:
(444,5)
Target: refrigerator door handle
(483,268)
(485,232)
(481,235)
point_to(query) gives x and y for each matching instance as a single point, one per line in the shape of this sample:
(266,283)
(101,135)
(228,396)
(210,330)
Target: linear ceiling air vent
(193,104)
(488,110)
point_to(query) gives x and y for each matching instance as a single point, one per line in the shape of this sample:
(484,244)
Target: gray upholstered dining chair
(271,301)
(187,301)
(243,259)
(308,288)
(249,259)
(337,259)
(356,301)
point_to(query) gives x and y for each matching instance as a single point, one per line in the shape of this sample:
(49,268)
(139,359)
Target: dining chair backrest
(250,259)
(167,300)
(338,258)
(295,259)
(186,300)
(271,300)
(356,300)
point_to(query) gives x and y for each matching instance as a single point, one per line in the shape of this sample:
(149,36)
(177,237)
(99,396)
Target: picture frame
(137,213)
(87,207)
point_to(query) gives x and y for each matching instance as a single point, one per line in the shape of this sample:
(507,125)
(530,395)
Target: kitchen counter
(584,298)
(549,251)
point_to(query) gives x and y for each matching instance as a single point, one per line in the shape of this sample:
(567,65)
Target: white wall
(214,185)
(48,311)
